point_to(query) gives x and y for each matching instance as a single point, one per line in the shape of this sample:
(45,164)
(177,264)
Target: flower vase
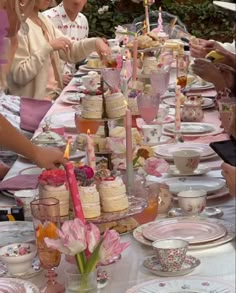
(80,283)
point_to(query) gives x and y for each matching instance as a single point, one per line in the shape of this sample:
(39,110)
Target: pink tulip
(72,238)
(111,246)
(92,236)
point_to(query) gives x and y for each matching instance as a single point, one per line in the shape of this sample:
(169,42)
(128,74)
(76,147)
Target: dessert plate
(31,171)
(207,102)
(17,231)
(209,184)
(230,228)
(72,98)
(201,169)
(167,150)
(187,285)
(11,285)
(67,119)
(193,231)
(191,128)
(152,264)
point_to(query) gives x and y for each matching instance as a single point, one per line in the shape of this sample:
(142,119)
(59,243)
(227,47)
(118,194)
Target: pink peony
(155,167)
(53,177)
(111,246)
(88,171)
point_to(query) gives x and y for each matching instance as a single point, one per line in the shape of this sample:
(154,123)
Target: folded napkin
(19,182)
(32,112)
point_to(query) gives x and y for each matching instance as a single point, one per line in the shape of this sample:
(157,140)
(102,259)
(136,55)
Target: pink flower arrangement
(84,175)
(85,243)
(155,167)
(53,177)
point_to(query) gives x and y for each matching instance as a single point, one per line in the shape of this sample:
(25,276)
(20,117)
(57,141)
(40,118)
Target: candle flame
(88,131)
(67,149)
(160,9)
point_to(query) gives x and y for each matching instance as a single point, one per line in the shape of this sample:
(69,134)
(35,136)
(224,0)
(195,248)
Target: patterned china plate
(209,184)
(138,233)
(201,169)
(184,285)
(11,285)
(17,231)
(168,150)
(190,263)
(207,102)
(193,231)
(191,128)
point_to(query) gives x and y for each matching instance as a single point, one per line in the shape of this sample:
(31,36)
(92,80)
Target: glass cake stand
(136,206)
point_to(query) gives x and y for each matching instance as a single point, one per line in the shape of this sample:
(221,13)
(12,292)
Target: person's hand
(209,72)
(60,44)
(102,48)
(66,79)
(229,173)
(48,157)
(201,48)
(229,57)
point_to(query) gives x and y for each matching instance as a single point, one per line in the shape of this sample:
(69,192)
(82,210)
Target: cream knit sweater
(30,68)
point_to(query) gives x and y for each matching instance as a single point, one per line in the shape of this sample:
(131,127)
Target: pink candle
(74,191)
(177,108)
(160,27)
(129,151)
(147,18)
(90,152)
(135,60)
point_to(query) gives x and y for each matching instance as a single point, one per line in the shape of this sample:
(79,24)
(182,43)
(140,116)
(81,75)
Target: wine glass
(111,77)
(182,64)
(160,81)
(148,106)
(46,219)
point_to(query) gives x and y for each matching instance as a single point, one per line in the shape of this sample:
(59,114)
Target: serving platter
(191,128)
(181,285)
(230,234)
(194,232)
(209,184)
(167,150)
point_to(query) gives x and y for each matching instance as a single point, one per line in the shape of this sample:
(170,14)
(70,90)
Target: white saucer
(190,263)
(163,140)
(201,169)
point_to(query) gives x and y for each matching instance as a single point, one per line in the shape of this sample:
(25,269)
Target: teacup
(192,202)
(23,198)
(171,253)
(186,161)
(90,82)
(151,133)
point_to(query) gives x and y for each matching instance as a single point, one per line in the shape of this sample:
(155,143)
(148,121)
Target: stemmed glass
(46,219)
(148,106)
(160,81)
(111,77)
(182,64)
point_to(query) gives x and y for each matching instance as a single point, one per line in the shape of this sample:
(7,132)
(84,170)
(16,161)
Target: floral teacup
(151,133)
(186,161)
(192,202)
(90,82)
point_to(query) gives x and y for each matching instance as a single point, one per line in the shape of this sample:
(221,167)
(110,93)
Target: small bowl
(192,202)
(18,257)
(171,253)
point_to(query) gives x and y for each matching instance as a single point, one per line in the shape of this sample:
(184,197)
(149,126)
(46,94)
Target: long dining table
(217,263)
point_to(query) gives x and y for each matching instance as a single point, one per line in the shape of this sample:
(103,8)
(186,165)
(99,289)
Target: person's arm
(229,173)
(12,139)
(27,64)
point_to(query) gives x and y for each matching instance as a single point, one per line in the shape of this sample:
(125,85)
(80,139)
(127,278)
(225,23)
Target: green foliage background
(202,18)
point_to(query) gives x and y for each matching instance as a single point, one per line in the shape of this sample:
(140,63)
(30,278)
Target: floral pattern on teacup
(192,163)
(18,250)
(171,260)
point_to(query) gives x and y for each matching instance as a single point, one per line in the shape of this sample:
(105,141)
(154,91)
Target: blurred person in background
(67,17)
(10,137)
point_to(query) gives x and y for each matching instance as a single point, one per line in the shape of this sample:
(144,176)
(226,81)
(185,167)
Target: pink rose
(155,167)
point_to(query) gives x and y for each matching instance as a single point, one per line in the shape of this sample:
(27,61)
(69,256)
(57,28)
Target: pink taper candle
(135,60)
(90,152)
(129,151)
(177,108)
(160,27)
(147,17)
(74,191)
